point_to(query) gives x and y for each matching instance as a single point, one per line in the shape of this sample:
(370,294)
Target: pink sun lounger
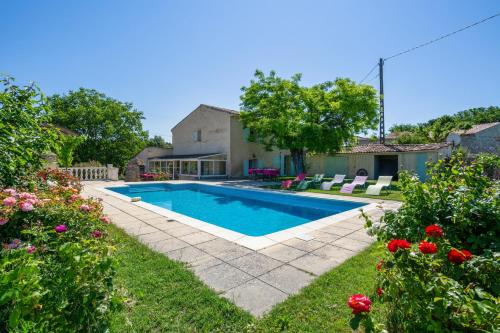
(286,184)
(358,180)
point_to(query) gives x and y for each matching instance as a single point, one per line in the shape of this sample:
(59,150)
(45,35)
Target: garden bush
(56,263)
(441,269)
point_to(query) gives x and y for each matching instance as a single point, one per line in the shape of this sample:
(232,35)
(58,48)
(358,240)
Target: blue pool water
(253,213)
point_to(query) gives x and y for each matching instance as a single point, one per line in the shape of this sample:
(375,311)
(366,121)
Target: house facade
(211,142)
(482,138)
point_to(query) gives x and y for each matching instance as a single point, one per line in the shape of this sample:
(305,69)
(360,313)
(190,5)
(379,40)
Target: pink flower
(96,234)
(10,191)
(26,195)
(105,219)
(14,244)
(85,208)
(74,197)
(31,249)
(9,202)
(61,228)
(26,206)
(3,220)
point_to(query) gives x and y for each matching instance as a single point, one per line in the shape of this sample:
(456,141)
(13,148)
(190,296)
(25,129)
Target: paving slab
(255,263)
(140,230)
(337,230)
(154,237)
(188,254)
(223,249)
(314,264)
(181,231)
(255,296)
(303,245)
(197,237)
(350,244)
(361,235)
(223,277)
(287,279)
(204,263)
(323,236)
(168,245)
(335,253)
(282,252)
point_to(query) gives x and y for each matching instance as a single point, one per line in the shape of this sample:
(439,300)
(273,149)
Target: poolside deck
(256,276)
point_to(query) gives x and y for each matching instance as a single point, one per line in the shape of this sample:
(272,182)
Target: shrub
(24,138)
(56,263)
(440,272)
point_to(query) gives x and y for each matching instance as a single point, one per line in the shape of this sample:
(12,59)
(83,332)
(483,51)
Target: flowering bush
(440,273)
(56,263)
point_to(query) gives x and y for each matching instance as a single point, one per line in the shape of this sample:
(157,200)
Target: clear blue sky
(166,57)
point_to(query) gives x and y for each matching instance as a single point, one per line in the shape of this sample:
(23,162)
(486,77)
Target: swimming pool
(249,212)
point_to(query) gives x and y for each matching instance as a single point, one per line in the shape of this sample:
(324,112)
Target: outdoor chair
(286,184)
(383,181)
(337,179)
(349,188)
(304,185)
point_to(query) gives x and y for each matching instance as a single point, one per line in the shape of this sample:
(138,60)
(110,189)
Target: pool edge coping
(251,242)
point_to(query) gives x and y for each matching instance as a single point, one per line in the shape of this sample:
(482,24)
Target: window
(190,168)
(197,136)
(252,164)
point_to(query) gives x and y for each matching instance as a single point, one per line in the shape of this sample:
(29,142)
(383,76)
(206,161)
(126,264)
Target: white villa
(211,142)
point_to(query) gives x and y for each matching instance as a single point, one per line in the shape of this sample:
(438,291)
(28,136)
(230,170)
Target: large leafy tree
(282,114)
(158,141)
(112,130)
(24,136)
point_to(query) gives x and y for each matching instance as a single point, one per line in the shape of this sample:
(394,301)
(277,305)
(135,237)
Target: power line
(442,37)
(371,70)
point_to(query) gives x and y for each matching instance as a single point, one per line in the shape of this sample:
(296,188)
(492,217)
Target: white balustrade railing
(93,173)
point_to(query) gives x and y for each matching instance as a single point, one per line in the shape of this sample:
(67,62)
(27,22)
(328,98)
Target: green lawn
(392,194)
(163,296)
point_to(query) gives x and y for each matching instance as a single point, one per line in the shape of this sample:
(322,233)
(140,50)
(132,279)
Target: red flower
(434,231)
(458,257)
(380,265)
(380,291)
(359,303)
(397,244)
(467,254)
(96,234)
(427,247)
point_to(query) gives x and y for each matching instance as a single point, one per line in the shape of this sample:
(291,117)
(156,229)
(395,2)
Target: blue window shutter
(260,164)
(282,165)
(245,168)
(276,161)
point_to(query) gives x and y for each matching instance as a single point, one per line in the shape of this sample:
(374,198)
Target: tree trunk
(298,160)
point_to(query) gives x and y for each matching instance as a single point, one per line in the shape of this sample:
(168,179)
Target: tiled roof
(216,108)
(476,129)
(389,148)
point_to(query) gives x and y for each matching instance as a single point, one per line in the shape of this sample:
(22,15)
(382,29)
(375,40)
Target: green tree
(436,130)
(158,141)
(112,130)
(282,114)
(66,148)
(24,138)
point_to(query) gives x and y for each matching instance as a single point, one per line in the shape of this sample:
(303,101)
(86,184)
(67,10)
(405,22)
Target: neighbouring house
(211,142)
(374,160)
(481,138)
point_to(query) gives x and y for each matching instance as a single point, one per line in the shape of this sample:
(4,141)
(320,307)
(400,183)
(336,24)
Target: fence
(93,173)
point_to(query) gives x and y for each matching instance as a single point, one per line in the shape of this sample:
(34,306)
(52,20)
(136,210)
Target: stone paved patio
(253,280)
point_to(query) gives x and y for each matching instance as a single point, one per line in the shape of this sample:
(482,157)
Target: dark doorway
(386,165)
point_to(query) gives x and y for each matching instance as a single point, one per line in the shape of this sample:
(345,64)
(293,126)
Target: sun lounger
(303,185)
(286,184)
(338,179)
(359,180)
(383,181)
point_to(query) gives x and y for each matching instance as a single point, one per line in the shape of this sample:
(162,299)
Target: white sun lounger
(338,179)
(383,181)
(358,180)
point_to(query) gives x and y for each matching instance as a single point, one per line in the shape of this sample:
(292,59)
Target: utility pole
(381,96)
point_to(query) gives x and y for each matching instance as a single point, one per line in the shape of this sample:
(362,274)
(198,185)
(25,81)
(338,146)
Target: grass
(164,296)
(393,194)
